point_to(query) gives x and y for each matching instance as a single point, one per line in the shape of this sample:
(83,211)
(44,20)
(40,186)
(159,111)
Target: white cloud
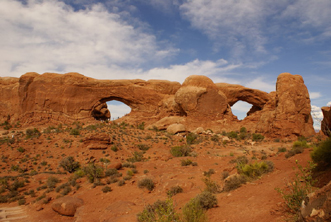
(317,115)
(214,70)
(260,84)
(49,36)
(329,103)
(246,26)
(315,95)
(311,14)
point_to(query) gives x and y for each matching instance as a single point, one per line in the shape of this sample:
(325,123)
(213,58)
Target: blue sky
(247,42)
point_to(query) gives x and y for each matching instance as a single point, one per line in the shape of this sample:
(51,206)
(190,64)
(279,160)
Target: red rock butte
(50,98)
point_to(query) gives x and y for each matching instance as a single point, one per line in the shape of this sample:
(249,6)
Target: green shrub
(294,151)
(215,138)
(162,211)
(191,138)
(281,149)
(257,137)
(93,172)
(143,147)
(114,148)
(256,169)
(233,182)
(52,181)
(141,126)
(69,164)
(106,189)
(211,186)
(186,162)
(21,149)
(300,144)
(299,188)
(146,183)
(206,200)
(178,151)
(111,172)
(243,130)
(21,201)
(74,132)
(136,157)
(32,133)
(193,212)
(209,172)
(321,155)
(233,135)
(174,190)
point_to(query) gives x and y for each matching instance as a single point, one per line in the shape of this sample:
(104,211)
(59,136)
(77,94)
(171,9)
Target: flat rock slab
(8,214)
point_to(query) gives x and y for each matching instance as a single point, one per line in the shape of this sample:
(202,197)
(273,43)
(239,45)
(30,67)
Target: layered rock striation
(198,102)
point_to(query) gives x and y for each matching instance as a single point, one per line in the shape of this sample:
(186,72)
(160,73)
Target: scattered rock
(176,128)
(67,205)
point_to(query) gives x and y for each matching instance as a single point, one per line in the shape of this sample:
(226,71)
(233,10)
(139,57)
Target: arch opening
(117,109)
(242,109)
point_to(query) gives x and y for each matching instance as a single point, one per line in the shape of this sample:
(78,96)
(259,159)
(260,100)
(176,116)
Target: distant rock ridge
(53,98)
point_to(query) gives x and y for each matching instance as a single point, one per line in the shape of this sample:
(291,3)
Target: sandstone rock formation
(317,205)
(67,205)
(97,141)
(199,102)
(326,122)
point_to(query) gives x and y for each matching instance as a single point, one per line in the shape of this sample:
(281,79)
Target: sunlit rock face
(199,102)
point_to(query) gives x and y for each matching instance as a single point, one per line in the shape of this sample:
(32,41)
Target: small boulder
(116,166)
(176,128)
(67,205)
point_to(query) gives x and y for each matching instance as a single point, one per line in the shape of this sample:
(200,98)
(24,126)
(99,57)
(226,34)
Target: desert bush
(209,172)
(143,147)
(257,137)
(128,165)
(21,201)
(233,182)
(233,135)
(281,149)
(224,175)
(21,149)
(74,132)
(146,183)
(32,133)
(114,148)
(211,186)
(106,189)
(186,162)
(141,126)
(174,190)
(300,144)
(206,200)
(52,181)
(214,138)
(121,183)
(136,157)
(69,164)
(294,151)
(163,211)
(254,170)
(193,212)
(298,190)
(321,155)
(178,151)
(111,172)
(191,138)
(93,172)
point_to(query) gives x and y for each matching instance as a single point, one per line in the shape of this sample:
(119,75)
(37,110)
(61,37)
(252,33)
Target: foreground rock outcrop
(326,122)
(67,205)
(199,102)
